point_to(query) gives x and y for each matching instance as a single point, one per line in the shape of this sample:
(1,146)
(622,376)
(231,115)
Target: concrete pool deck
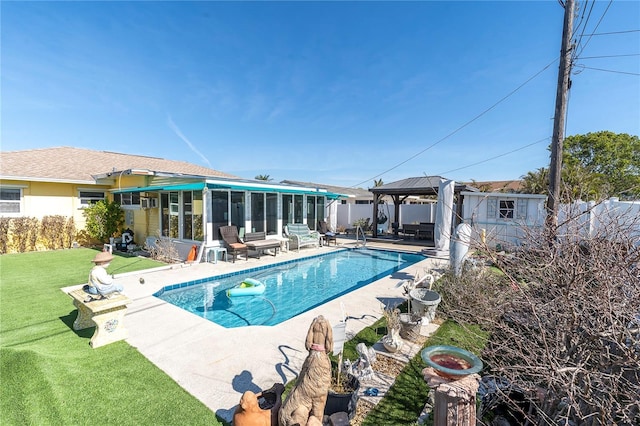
(215,364)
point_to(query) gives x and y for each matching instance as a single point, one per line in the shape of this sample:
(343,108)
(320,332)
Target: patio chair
(233,242)
(326,235)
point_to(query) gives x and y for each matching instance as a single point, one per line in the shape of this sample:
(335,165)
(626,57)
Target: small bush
(104,219)
(363,223)
(53,231)
(21,228)
(69,232)
(164,250)
(5,224)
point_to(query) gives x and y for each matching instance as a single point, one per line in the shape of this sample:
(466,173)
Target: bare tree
(564,321)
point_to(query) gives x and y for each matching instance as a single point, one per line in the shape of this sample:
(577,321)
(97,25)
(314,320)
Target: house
(160,197)
(499,219)
(498,185)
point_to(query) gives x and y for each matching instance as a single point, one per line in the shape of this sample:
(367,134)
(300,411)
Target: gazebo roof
(426,185)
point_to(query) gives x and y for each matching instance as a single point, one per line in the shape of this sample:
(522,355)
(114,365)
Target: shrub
(568,337)
(477,296)
(5,223)
(363,223)
(69,232)
(20,230)
(164,250)
(104,219)
(53,231)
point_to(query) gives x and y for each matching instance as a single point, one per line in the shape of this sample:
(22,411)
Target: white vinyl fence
(409,213)
(502,220)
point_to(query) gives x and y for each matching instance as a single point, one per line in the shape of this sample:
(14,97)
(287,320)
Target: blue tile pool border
(259,268)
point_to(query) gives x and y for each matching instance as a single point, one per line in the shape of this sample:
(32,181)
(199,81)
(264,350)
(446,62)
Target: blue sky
(339,93)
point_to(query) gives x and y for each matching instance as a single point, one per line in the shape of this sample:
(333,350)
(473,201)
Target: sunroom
(192,210)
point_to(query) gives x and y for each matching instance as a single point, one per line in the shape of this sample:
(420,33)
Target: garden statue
(306,401)
(250,411)
(362,368)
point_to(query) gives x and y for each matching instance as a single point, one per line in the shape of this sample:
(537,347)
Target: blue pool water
(292,287)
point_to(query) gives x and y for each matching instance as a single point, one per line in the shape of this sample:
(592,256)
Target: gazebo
(400,190)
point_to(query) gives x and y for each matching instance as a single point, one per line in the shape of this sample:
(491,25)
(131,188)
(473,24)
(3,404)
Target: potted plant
(392,341)
(343,394)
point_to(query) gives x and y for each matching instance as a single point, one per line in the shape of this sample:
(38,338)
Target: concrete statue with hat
(102,257)
(100,281)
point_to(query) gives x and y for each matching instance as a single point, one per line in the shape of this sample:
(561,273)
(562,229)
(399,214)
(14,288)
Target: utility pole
(564,75)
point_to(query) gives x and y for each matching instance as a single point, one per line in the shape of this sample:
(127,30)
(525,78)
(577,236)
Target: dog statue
(250,412)
(305,403)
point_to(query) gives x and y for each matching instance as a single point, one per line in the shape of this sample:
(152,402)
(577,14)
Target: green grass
(405,400)
(50,375)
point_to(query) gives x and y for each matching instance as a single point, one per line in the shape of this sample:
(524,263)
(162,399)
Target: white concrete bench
(105,314)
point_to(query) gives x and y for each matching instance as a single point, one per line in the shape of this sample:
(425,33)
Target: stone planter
(424,303)
(410,327)
(392,342)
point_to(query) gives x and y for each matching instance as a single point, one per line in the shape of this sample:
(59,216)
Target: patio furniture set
(418,231)
(296,236)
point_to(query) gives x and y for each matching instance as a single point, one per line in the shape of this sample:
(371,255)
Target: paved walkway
(216,364)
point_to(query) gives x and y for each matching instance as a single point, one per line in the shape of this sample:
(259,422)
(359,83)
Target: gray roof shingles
(79,164)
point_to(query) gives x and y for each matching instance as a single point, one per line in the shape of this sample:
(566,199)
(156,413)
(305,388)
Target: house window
(272,213)
(257,212)
(311,212)
(506,209)
(90,197)
(10,200)
(187,214)
(292,208)
(320,205)
(219,212)
(237,211)
(127,199)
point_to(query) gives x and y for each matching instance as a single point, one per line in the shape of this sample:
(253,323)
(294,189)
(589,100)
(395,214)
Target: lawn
(405,400)
(49,373)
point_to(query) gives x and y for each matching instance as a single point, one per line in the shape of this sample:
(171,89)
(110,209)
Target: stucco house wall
(187,197)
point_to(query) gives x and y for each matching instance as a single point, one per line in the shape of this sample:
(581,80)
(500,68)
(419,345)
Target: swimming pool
(292,287)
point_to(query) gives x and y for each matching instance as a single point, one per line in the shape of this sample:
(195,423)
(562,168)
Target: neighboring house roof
(355,192)
(498,185)
(68,164)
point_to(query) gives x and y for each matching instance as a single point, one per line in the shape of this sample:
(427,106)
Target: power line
(495,157)
(596,27)
(612,71)
(584,27)
(610,56)
(460,127)
(615,32)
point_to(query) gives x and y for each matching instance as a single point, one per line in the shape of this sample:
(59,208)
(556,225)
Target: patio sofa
(257,241)
(300,235)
